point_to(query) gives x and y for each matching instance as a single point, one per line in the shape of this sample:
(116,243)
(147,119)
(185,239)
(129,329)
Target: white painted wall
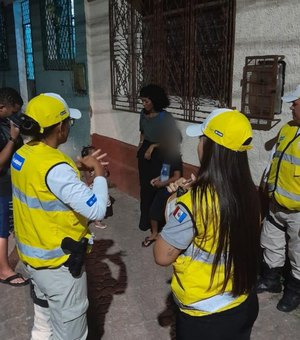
(263,27)
(266,27)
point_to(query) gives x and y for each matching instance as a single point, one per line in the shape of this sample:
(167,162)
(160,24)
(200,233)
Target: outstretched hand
(93,162)
(181,182)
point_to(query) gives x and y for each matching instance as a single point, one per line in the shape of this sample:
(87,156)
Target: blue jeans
(6,216)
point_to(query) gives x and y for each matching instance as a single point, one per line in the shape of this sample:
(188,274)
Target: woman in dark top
(155,123)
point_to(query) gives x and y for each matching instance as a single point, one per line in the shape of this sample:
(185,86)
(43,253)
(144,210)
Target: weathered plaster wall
(262,27)
(266,27)
(116,124)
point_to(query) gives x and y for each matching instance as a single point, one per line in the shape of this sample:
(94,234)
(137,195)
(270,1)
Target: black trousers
(233,324)
(148,169)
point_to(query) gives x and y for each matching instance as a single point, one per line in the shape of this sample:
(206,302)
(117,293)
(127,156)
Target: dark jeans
(232,324)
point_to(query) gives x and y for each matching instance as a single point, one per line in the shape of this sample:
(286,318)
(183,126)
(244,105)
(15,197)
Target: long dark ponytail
(225,175)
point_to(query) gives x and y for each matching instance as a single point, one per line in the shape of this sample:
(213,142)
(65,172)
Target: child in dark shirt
(170,172)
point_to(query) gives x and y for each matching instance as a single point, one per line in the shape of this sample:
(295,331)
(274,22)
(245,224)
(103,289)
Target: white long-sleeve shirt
(64,183)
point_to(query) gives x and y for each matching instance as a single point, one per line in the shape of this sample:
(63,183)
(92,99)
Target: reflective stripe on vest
(284,175)
(289,158)
(39,253)
(284,193)
(214,303)
(209,305)
(35,203)
(200,255)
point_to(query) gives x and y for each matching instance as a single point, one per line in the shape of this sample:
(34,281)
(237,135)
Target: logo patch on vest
(179,214)
(17,162)
(91,201)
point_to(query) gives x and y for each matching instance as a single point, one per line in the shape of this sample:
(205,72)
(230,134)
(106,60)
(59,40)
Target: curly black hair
(9,96)
(157,95)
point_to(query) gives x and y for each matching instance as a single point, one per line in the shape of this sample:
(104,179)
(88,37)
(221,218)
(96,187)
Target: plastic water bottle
(165,172)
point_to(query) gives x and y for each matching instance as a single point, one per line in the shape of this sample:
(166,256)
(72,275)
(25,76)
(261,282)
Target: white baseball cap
(292,96)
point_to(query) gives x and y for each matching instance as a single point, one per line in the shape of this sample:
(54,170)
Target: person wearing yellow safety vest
(282,224)
(51,209)
(212,236)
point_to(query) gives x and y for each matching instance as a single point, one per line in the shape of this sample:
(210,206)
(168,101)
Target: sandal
(9,280)
(147,242)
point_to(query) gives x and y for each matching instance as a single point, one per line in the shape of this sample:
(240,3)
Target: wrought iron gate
(4,62)
(58,34)
(184,45)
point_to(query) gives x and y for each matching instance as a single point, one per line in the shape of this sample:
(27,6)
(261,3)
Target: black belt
(65,264)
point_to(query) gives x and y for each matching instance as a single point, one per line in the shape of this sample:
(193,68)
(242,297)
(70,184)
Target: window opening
(186,46)
(4,61)
(58,34)
(27,40)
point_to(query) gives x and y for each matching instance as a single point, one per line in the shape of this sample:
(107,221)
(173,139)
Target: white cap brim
(197,130)
(290,98)
(194,130)
(75,113)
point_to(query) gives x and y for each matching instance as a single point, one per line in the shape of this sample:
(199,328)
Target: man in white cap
(280,234)
(51,209)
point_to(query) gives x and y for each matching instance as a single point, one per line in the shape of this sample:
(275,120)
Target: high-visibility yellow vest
(284,176)
(41,221)
(192,273)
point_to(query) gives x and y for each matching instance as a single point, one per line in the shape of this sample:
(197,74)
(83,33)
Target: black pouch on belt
(77,251)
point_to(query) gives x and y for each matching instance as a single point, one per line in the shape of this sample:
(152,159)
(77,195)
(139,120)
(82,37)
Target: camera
(18,119)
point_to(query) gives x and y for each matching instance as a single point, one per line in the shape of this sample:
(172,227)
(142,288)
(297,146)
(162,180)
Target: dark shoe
(291,295)
(266,285)
(270,280)
(289,301)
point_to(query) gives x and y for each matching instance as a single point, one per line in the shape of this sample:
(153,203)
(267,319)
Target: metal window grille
(27,40)
(4,61)
(186,46)
(262,88)
(58,34)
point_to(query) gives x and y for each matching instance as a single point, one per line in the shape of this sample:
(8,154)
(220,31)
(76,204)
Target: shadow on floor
(167,317)
(102,286)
